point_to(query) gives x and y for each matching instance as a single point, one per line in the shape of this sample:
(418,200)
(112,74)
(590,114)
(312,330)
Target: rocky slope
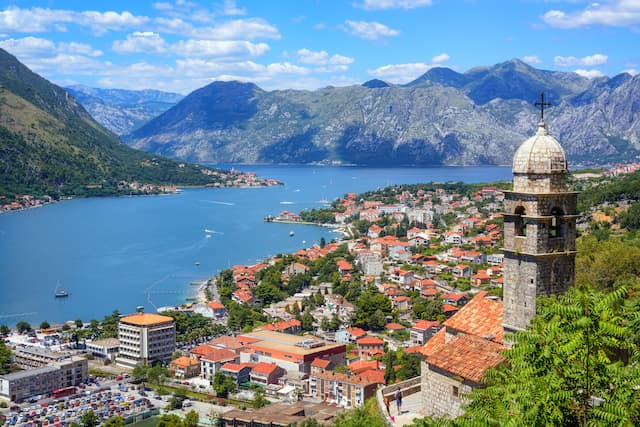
(444,117)
(50,145)
(122,111)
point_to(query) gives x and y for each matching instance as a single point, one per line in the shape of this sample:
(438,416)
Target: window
(456,391)
(519,225)
(556,223)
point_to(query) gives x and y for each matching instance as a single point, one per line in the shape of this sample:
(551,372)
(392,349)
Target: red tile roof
(356,332)
(394,326)
(236,367)
(373,376)
(363,365)
(218,355)
(467,356)
(320,363)
(481,317)
(184,362)
(370,341)
(435,343)
(216,305)
(265,368)
(423,325)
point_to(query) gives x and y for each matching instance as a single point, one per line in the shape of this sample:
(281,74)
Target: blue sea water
(118,253)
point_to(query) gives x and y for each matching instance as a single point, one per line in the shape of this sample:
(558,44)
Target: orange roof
(373,375)
(343,265)
(356,332)
(218,354)
(264,368)
(363,365)
(226,341)
(320,363)
(423,325)
(216,305)
(449,308)
(413,349)
(235,367)
(184,362)
(370,341)
(467,356)
(435,343)
(394,326)
(345,378)
(146,319)
(480,317)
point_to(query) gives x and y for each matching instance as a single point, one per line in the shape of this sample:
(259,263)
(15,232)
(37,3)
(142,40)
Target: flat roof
(270,340)
(146,319)
(28,373)
(106,342)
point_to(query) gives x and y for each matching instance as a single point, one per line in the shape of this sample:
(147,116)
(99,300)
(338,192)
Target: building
(423,330)
(106,349)
(342,389)
(266,373)
(184,367)
(240,372)
(145,339)
(213,359)
(21,385)
(280,415)
(370,346)
(293,353)
(539,259)
(539,229)
(30,357)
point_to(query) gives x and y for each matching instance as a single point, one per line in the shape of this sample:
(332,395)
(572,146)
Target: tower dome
(540,164)
(540,154)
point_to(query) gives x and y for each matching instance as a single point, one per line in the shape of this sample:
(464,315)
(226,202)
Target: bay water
(119,253)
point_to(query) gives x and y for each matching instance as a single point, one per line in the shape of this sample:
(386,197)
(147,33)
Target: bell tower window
(519,225)
(556,223)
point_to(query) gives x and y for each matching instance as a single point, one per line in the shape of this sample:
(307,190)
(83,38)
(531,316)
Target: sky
(182,45)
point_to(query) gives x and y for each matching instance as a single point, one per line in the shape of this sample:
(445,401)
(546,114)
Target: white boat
(60,293)
(291,233)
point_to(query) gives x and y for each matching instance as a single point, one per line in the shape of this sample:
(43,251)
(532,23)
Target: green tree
(389,372)
(372,309)
(139,373)
(157,374)
(116,421)
(44,325)
(5,358)
(4,330)
(223,384)
(79,323)
(169,420)
(307,321)
(565,370)
(191,419)
(259,400)
(23,326)
(89,419)
(367,415)
(631,218)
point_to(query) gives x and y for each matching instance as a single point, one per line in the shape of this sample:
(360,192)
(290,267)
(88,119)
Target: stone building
(539,258)
(539,229)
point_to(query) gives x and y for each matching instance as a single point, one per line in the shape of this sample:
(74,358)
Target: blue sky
(181,45)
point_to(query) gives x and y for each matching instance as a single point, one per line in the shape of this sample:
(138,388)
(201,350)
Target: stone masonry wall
(437,393)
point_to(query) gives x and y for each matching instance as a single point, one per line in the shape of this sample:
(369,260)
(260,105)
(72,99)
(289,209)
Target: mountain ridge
(441,118)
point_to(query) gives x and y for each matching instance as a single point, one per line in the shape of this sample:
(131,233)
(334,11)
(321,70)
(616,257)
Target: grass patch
(148,422)
(99,373)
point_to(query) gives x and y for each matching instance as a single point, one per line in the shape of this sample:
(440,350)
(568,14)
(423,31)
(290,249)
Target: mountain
(122,111)
(443,117)
(50,145)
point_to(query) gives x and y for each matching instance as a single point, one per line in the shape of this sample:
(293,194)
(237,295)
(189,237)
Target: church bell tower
(539,228)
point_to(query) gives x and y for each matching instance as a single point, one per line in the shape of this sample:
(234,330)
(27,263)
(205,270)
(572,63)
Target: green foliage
(259,399)
(193,327)
(607,264)
(372,309)
(4,330)
(389,372)
(631,218)
(223,384)
(427,309)
(367,415)
(89,419)
(191,419)
(319,216)
(571,358)
(5,358)
(116,421)
(623,188)
(169,420)
(23,326)
(45,325)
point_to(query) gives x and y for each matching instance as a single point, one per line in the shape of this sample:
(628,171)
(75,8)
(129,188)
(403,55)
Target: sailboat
(60,293)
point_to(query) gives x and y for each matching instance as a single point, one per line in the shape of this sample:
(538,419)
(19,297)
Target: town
(415,281)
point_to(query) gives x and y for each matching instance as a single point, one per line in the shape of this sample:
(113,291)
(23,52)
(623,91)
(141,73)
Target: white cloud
(231,9)
(370,30)
(239,29)
(325,63)
(631,71)
(101,22)
(587,61)
(590,74)
(307,56)
(341,60)
(36,20)
(617,13)
(319,26)
(531,59)
(141,41)
(35,46)
(222,48)
(392,4)
(401,73)
(438,59)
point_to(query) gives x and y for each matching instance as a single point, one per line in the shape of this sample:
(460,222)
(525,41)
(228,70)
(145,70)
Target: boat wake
(287,203)
(216,202)
(209,232)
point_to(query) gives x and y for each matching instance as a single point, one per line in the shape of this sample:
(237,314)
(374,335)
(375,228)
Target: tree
(223,384)
(307,321)
(372,309)
(139,373)
(566,370)
(191,419)
(323,242)
(367,415)
(5,358)
(23,327)
(79,323)
(259,400)
(4,330)
(116,421)
(169,420)
(389,372)
(89,419)
(157,374)
(44,325)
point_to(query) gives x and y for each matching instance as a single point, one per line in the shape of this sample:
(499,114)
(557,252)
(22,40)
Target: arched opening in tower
(556,223)
(519,224)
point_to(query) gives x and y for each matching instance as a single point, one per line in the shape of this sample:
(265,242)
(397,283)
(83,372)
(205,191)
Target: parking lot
(106,399)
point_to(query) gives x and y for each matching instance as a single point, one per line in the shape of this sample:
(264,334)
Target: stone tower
(539,229)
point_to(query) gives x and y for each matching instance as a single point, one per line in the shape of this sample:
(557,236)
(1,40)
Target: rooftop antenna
(542,104)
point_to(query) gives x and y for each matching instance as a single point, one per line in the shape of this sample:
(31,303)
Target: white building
(146,338)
